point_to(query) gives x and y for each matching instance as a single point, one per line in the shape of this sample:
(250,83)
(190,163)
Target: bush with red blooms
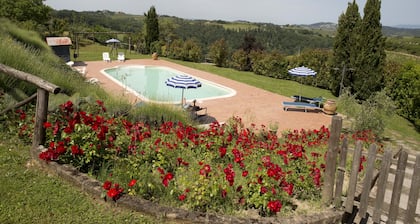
(114,191)
(224,167)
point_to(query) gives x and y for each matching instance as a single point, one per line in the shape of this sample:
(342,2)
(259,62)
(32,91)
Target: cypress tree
(345,48)
(152,27)
(371,56)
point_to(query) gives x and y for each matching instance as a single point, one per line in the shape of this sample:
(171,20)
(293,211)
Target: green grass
(278,86)
(32,196)
(93,52)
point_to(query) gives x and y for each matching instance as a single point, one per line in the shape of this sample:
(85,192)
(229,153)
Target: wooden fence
(42,96)
(373,195)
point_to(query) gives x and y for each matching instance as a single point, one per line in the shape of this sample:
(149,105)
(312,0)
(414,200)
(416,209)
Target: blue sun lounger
(317,100)
(300,105)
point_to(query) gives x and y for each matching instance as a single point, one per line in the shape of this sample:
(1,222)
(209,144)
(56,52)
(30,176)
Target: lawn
(32,196)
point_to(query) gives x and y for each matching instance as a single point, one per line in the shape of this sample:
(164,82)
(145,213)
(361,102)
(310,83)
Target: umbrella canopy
(112,41)
(183,82)
(302,72)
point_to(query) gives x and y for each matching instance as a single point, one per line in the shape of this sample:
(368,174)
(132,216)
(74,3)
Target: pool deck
(251,104)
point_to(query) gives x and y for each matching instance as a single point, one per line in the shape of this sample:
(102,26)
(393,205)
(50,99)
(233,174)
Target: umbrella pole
(300,94)
(182,98)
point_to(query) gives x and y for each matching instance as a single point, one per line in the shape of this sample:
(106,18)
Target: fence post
(414,193)
(364,199)
(353,178)
(382,180)
(398,184)
(40,117)
(331,163)
(341,170)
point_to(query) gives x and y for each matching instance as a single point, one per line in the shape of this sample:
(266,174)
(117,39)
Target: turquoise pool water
(148,83)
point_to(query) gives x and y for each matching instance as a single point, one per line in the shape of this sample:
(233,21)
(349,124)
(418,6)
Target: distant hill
(400,31)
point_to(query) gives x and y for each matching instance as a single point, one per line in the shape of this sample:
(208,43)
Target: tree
(345,48)
(152,27)
(32,12)
(239,60)
(370,60)
(250,44)
(219,52)
(269,64)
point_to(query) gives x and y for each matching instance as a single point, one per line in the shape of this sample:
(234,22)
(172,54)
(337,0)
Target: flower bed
(226,168)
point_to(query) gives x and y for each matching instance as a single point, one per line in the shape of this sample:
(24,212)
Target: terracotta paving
(253,105)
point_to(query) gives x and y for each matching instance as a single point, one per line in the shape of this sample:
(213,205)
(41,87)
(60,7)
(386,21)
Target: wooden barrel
(155,56)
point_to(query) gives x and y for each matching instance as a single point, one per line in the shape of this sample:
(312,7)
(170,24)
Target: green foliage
(404,88)
(188,50)
(239,60)
(30,12)
(404,44)
(345,47)
(371,114)
(219,53)
(152,27)
(371,56)
(269,64)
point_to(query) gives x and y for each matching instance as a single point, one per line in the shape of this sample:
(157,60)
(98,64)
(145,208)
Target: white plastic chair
(121,56)
(105,57)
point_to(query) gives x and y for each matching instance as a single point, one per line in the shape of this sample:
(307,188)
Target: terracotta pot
(155,56)
(330,107)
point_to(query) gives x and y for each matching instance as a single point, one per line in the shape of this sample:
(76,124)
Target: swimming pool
(148,83)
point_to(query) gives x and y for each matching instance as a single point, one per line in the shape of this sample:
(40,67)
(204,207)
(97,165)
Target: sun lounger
(300,105)
(315,100)
(195,109)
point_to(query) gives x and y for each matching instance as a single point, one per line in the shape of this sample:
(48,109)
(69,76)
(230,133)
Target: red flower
(132,183)
(245,173)
(288,188)
(182,197)
(47,124)
(222,151)
(274,206)
(167,178)
(107,185)
(75,150)
(263,190)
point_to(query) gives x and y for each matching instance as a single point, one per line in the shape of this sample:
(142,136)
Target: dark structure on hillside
(60,46)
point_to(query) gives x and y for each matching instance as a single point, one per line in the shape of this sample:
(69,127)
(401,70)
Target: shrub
(369,114)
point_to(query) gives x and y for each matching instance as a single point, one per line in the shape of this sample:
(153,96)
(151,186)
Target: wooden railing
(377,197)
(42,96)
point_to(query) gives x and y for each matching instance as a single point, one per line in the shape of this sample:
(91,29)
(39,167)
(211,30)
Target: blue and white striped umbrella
(183,82)
(302,72)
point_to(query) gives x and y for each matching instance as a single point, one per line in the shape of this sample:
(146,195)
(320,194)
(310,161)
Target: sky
(280,12)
